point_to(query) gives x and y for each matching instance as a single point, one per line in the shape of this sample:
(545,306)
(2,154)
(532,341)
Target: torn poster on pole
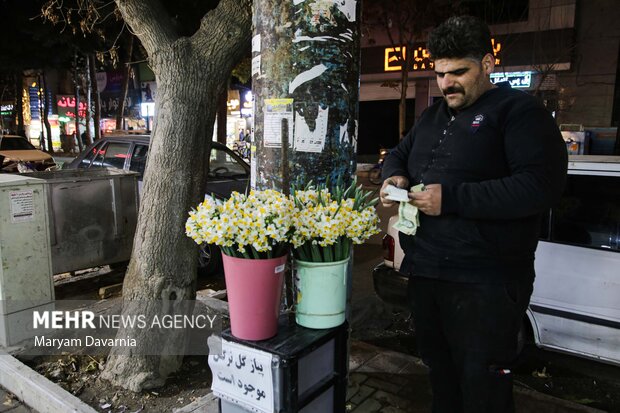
(275,111)
(307,140)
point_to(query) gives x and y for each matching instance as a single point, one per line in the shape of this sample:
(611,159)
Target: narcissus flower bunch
(326,224)
(256,225)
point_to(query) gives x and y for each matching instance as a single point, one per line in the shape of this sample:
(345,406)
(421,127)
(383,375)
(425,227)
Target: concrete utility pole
(305,79)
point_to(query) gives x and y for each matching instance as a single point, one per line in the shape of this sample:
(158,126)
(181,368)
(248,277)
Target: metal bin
(92,215)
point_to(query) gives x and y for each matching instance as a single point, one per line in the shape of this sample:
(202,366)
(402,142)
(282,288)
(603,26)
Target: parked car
(574,307)
(19,155)
(227,173)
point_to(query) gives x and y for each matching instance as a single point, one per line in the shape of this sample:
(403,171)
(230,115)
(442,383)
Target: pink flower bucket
(254,288)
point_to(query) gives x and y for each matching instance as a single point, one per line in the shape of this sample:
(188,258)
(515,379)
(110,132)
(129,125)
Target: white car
(575,306)
(19,155)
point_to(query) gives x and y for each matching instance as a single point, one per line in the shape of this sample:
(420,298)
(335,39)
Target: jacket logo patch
(475,124)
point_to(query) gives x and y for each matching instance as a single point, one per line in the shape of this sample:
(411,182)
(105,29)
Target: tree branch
(149,21)
(232,19)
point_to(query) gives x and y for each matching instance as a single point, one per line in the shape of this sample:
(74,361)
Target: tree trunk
(95,89)
(77,82)
(222,114)
(127,75)
(19,105)
(402,105)
(190,74)
(306,87)
(163,258)
(42,142)
(46,121)
(89,103)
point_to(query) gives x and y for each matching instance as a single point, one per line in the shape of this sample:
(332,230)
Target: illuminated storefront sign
(66,107)
(6,109)
(421,57)
(516,79)
(147,109)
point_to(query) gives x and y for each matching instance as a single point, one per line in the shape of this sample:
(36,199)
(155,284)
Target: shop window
(495,12)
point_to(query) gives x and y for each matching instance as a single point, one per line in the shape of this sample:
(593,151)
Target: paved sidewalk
(390,382)
(385,381)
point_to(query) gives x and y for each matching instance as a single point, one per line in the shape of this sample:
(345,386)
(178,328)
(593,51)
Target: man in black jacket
(492,161)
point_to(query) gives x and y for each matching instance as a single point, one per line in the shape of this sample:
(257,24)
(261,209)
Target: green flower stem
(308,250)
(338,248)
(346,250)
(327,254)
(316,253)
(245,254)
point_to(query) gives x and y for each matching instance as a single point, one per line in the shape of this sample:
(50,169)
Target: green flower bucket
(321,289)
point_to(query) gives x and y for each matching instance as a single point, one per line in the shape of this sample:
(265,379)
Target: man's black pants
(467,336)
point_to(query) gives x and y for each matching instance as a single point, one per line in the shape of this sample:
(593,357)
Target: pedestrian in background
(492,161)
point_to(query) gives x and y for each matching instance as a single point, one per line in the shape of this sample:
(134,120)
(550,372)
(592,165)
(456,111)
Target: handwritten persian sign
(243,375)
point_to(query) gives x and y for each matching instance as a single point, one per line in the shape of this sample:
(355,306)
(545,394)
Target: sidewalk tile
(369,406)
(362,394)
(386,362)
(380,383)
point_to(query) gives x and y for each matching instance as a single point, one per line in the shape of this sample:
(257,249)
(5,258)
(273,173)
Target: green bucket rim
(311,264)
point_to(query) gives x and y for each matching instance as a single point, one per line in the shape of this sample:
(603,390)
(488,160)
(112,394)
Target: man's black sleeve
(536,156)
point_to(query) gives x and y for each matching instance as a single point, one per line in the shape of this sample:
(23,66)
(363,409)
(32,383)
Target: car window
(588,213)
(138,158)
(112,155)
(15,144)
(85,162)
(222,164)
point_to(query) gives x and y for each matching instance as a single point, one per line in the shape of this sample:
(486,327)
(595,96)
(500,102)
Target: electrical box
(302,370)
(26,282)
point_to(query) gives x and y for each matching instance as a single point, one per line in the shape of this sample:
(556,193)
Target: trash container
(92,214)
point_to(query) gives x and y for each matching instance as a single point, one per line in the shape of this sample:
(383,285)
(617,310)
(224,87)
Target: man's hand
(429,200)
(397,181)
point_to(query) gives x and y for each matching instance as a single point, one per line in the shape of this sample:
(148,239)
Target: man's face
(462,81)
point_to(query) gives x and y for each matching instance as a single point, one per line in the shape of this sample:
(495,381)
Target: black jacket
(501,163)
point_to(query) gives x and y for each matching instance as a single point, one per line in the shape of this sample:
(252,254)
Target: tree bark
(89,103)
(127,75)
(19,105)
(402,105)
(190,74)
(77,80)
(46,120)
(222,114)
(95,89)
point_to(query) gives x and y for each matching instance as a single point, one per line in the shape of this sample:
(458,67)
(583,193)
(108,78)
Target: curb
(206,404)
(35,390)
(561,405)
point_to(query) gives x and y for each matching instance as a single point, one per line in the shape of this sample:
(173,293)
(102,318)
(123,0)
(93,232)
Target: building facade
(564,51)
